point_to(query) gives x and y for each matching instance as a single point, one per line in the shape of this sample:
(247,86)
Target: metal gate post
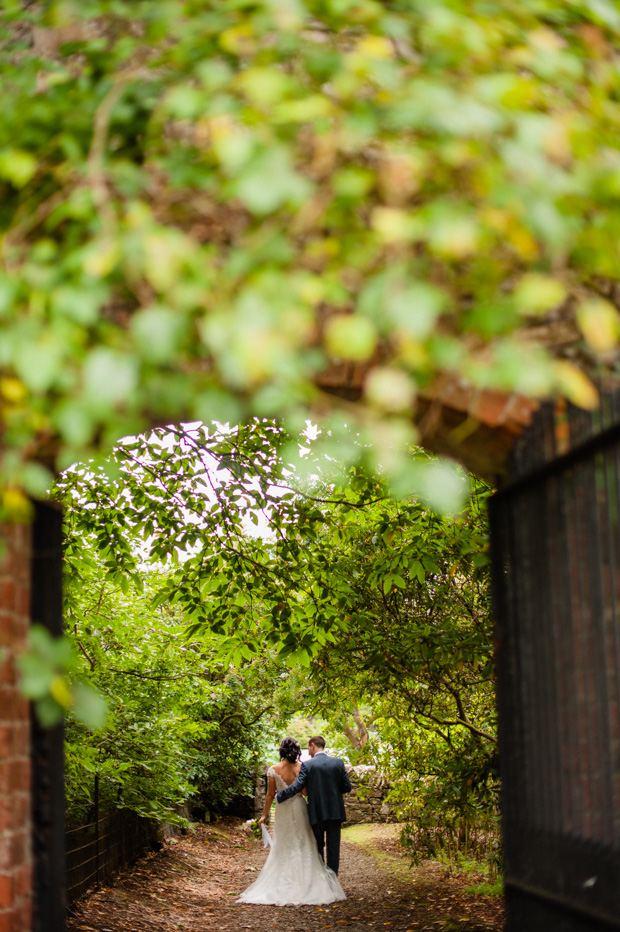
(47,743)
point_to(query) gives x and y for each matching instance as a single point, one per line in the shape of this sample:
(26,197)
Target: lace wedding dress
(294,873)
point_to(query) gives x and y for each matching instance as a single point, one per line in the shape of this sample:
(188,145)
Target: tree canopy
(204,204)
(187,499)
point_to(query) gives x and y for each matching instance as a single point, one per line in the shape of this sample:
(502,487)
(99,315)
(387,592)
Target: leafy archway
(217,559)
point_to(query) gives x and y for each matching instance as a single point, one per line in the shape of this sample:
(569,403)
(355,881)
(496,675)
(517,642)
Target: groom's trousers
(328,831)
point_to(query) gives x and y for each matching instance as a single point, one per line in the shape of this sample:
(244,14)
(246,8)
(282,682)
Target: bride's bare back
(289,772)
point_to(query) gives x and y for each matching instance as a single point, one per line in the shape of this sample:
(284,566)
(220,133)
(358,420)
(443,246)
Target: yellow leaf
(264,86)
(599,322)
(312,107)
(60,692)
(390,389)
(556,143)
(219,126)
(238,40)
(375,47)
(575,385)
(545,40)
(101,258)
(455,237)
(522,241)
(12,389)
(311,289)
(537,294)
(350,337)
(393,225)
(16,504)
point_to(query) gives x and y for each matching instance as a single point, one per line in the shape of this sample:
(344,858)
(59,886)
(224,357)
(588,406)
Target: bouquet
(252,827)
(258,830)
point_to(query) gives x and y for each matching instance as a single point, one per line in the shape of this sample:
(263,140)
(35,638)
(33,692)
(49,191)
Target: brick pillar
(15,780)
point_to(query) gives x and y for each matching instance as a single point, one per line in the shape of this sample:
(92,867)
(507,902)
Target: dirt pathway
(192,885)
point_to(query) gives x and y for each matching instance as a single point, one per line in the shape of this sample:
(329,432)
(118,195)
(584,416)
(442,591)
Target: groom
(326,780)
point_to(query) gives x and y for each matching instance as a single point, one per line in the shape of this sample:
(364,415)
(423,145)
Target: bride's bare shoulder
(286,769)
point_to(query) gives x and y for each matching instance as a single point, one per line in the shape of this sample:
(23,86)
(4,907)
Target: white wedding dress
(294,873)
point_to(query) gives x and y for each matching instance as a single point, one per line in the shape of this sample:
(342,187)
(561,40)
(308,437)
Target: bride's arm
(269,798)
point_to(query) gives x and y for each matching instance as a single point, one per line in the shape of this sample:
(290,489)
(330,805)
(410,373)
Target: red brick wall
(15,827)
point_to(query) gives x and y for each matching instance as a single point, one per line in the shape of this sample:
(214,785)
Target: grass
(367,835)
(486,889)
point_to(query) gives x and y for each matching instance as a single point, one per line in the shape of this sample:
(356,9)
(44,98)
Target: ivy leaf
(17,166)
(109,377)
(270,182)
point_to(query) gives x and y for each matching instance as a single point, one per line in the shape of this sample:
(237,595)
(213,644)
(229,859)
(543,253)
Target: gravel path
(193,882)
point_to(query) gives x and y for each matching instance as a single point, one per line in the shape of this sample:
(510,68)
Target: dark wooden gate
(556,543)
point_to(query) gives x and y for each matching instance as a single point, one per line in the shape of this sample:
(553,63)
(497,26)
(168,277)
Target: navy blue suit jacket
(326,780)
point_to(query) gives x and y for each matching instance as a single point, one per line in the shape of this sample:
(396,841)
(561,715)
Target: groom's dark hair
(318,740)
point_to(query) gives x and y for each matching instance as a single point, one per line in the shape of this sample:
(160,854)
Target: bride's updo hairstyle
(290,750)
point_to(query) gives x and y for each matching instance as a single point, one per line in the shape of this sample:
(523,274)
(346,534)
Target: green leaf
(270,182)
(39,364)
(109,378)
(48,711)
(17,166)
(157,331)
(185,101)
(350,337)
(441,485)
(606,12)
(36,674)
(89,706)
(79,304)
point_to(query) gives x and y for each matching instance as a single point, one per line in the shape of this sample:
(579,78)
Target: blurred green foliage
(187,188)
(46,669)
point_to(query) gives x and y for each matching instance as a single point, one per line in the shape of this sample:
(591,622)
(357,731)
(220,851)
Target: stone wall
(15,805)
(365,803)
(367,800)
(260,791)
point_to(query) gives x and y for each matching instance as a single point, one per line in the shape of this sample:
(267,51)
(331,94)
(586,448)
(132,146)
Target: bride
(294,873)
